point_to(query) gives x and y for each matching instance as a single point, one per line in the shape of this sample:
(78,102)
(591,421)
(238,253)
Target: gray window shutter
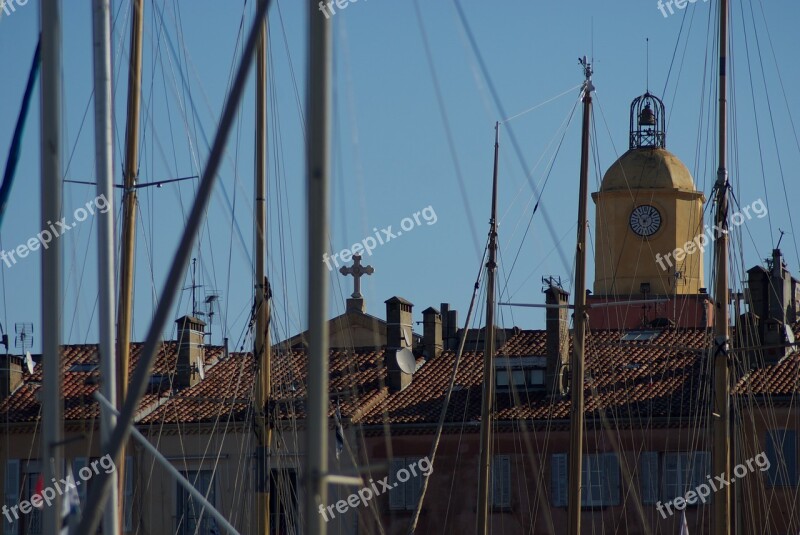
(558,479)
(11,488)
(127,511)
(701,467)
(501,481)
(672,476)
(611,484)
(648,477)
(77,464)
(413,486)
(781,450)
(397,496)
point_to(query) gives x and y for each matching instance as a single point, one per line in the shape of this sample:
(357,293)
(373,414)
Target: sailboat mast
(576,382)
(487,406)
(318,177)
(721,454)
(129,216)
(101,13)
(261,350)
(52,415)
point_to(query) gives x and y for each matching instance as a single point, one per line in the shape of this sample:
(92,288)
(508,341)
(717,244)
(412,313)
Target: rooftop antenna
(779,239)
(193,287)
(24,338)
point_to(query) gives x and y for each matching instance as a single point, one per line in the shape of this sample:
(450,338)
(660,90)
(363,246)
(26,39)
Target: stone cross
(357,271)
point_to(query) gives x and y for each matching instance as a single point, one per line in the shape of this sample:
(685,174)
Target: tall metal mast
(487,406)
(576,382)
(129,216)
(318,171)
(721,424)
(261,349)
(105,237)
(52,415)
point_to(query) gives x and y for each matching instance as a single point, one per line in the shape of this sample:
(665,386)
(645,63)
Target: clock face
(645,220)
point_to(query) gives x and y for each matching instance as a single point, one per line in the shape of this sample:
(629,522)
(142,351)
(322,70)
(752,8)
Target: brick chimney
(10,374)
(431,333)
(557,328)
(191,331)
(399,336)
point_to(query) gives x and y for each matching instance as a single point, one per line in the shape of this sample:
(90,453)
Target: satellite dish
(406,336)
(29,362)
(201,369)
(406,361)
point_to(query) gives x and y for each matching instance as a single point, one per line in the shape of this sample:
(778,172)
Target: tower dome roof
(648,168)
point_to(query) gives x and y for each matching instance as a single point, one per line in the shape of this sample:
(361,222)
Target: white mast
(52,419)
(101,14)
(319,121)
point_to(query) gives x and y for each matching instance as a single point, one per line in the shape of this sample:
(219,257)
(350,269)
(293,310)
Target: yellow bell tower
(649,226)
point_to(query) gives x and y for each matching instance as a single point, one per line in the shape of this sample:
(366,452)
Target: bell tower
(649,217)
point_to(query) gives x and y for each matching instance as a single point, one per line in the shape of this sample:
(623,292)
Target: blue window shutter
(11,488)
(790,454)
(648,477)
(672,486)
(611,484)
(77,464)
(701,467)
(501,481)
(558,479)
(127,510)
(781,450)
(397,496)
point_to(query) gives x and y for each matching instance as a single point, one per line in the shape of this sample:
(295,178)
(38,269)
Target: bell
(647,117)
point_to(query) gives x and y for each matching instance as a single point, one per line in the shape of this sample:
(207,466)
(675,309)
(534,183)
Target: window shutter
(558,479)
(790,454)
(11,490)
(77,464)
(648,477)
(397,497)
(413,487)
(781,450)
(701,467)
(611,477)
(501,481)
(127,510)
(672,469)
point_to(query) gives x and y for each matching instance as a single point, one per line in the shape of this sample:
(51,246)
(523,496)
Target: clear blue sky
(391,154)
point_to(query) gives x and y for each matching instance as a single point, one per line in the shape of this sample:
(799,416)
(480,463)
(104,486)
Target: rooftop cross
(357,271)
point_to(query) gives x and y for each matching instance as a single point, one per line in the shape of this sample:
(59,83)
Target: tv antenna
(24,336)
(193,287)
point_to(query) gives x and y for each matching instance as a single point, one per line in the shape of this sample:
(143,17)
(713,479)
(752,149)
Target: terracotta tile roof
(666,376)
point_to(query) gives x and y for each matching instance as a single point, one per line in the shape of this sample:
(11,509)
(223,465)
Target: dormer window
(523,373)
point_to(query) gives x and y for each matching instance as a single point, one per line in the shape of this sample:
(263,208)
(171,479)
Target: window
(537,378)
(191,516)
(11,488)
(781,450)
(599,480)
(648,477)
(518,378)
(501,481)
(501,378)
(404,496)
(33,520)
(283,502)
(127,500)
(683,472)
(639,336)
